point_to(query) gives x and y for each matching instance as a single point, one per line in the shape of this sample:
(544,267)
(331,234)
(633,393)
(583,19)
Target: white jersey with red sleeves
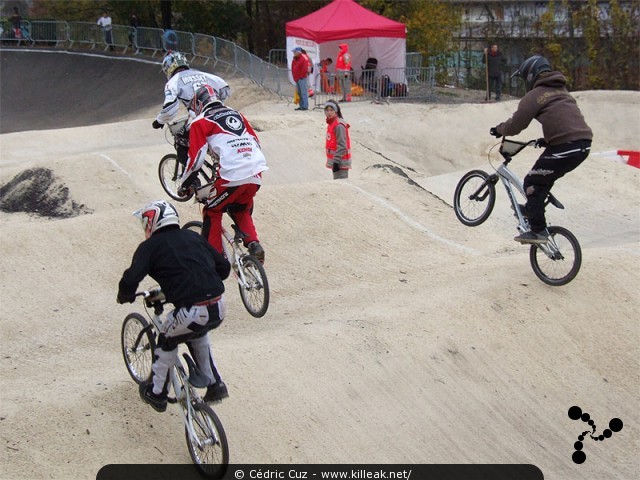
(181,88)
(229,135)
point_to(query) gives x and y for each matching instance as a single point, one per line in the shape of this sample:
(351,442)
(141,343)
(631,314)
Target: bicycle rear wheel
(558,261)
(255,290)
(194,225)
(170,171)
(211,457)
(474,198)
(138,344)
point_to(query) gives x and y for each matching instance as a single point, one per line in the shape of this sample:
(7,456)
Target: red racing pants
(237,201)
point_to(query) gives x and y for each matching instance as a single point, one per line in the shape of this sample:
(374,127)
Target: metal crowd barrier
(204,48)
(84,33)
(7,34)
(377,85)
(221,55)
(149,40)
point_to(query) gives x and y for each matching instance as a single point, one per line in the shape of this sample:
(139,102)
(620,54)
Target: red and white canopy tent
(344,21)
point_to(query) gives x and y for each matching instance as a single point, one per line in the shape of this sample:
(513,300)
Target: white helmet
(156,215)
(172,62)
(203,97)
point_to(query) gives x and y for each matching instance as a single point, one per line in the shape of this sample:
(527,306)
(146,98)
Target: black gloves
(541,143)
(156,124)
(124,298)
(494,131)
(184,191)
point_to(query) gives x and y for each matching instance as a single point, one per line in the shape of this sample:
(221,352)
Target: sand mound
(38,191)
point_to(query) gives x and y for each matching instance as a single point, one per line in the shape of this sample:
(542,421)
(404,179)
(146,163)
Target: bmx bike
(247,269)
(205,436)
(555,262)
(170,170)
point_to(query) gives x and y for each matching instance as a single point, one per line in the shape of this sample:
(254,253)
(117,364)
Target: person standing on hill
(566,135)
(134,23)
(309,62)
(324,75)
(300,74)
(494,63)
(16,24)
(343,71)
(338,141)
(105,22)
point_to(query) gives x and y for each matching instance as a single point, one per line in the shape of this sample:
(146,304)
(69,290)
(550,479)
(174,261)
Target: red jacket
(343,62)
(338,144)
(299,68)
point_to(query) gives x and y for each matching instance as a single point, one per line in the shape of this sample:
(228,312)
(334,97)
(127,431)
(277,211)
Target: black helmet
(531,68)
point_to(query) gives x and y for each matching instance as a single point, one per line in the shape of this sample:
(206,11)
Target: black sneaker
(216,392)
(531,237)
(256,250)
(157,402)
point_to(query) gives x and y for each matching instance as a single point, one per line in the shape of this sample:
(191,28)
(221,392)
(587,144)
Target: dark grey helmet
(531,68)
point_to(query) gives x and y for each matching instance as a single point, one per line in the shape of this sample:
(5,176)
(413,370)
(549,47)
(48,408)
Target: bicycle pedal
(172,400)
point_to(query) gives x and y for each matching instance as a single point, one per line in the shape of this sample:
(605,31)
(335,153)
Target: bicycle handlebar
(152,296)
(510,148)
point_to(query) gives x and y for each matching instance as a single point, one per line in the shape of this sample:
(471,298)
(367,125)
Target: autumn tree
(623,60)
(431,26)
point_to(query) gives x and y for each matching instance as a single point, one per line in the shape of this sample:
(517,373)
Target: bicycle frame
(173,128)
(183,390)
(238,252)
(512,184)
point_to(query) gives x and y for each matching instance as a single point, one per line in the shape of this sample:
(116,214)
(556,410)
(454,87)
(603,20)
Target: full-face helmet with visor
(203,97)
(156,215)
(531,68)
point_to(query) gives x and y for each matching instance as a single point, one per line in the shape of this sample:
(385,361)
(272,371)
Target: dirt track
(395,334)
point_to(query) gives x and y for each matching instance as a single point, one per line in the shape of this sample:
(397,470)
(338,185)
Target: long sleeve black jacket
(186,267)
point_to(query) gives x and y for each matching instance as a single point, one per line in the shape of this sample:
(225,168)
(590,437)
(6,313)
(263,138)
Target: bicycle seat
(196,378)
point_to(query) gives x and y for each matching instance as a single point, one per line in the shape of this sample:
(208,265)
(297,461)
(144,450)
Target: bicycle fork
(184,396)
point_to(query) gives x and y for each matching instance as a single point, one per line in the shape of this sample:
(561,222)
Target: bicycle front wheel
(255,288)
(170,172)
(558,261)
(138,344)
(474,198)
(209,450)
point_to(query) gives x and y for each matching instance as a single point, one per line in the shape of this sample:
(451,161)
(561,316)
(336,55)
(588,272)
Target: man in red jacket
(300,74)
(343,71)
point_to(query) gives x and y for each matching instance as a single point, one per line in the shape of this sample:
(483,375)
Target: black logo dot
(615,424)
(575,412)
(578,457)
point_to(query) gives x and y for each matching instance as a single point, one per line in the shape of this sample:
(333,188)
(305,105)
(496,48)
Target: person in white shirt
(182,83)
(105,22)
